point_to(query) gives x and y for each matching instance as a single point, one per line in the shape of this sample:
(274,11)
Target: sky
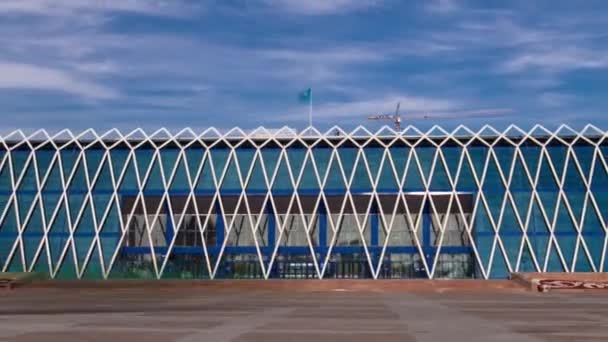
(177,63)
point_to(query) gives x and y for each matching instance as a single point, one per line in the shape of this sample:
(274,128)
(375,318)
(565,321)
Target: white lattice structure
(70,201)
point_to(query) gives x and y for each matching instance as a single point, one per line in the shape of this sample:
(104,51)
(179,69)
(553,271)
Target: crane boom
(396,118)
(381,117)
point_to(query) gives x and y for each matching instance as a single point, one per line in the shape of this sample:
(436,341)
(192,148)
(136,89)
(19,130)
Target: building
(281,204)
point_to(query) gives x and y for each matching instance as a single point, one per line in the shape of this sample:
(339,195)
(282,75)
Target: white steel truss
(20,171)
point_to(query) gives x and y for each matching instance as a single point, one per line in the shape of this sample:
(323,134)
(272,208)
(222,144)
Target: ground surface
(251,314)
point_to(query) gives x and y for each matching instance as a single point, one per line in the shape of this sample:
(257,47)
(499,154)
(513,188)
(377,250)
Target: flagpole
(310,109)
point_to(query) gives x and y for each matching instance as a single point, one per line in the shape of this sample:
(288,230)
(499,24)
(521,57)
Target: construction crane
(395,118)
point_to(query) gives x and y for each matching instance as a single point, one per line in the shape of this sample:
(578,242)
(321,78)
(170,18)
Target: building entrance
(400,238)
(407,235)
(441,231)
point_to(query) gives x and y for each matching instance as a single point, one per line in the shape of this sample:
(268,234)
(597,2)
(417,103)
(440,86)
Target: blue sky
(152,63)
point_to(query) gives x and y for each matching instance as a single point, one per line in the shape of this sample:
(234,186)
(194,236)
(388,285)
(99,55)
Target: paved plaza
(250,314)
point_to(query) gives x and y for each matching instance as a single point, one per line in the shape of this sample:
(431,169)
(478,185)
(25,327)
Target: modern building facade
(285,204)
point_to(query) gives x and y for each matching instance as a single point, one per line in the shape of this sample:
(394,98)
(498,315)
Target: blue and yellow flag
(304,96)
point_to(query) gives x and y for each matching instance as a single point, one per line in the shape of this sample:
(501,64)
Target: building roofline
(410,135)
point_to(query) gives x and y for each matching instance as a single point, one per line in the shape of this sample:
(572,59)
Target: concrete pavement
(250,314)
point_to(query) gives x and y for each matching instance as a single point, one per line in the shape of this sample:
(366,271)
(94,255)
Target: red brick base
(327,285)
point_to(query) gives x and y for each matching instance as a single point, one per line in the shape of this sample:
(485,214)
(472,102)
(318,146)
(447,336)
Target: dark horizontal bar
(185,192)
(298,250)
(14,235)
(118,234)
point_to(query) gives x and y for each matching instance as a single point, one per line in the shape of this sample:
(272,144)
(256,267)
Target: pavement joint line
(236,327)
(421,316)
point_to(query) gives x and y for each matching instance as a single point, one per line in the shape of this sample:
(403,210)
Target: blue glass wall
(298,207)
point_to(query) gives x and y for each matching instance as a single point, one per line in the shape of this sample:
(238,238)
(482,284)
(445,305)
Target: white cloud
(105,67)
(468,113)
(556,60)
(442,6)
(318,65)
(455,63)
(514,46)
(25,76)
(554,99)
(386,104)
(537,81)
(498,31)
(345,54)
(63,7)
(411,108)
(321,7)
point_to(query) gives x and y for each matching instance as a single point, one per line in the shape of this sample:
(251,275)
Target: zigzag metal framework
(37,191)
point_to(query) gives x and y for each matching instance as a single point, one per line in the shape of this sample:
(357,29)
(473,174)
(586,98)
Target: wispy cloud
(535,56)
(555,99)
(556,60)
(409,103)
(321,7)
(505,37)
(465,113)
(344,54)
(24,76)
(412,108)
(442,6)
(362,109)
(496,31)
(242,62)
(64,7)
(64,45)
(103,67)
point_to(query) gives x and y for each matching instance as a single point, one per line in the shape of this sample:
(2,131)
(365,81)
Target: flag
(305,95)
